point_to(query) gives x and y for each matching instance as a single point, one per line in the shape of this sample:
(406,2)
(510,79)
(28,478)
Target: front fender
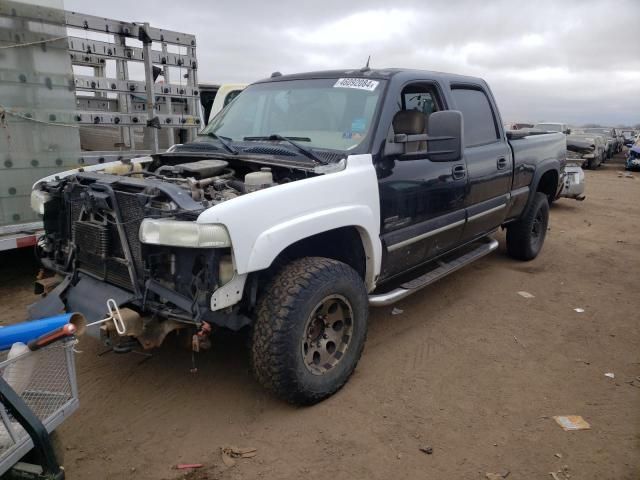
(274,240)
(263,223)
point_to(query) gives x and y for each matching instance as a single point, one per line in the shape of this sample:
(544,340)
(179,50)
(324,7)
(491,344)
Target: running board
(485,247)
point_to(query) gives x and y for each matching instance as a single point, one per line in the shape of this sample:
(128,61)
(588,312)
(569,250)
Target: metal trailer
(38,391)
(68,98)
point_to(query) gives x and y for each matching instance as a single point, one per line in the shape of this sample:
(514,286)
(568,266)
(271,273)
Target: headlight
(38,199)
(588,155)
(183,234)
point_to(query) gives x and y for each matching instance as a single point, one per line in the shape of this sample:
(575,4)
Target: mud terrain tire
(298,317)
(526,236)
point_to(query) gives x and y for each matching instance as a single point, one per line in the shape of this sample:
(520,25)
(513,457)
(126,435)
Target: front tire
(526,236)
(310,329)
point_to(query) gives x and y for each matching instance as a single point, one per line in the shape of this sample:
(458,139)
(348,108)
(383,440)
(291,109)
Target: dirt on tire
(275,345)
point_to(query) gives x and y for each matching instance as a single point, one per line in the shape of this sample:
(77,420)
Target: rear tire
(310,329)
(526,236)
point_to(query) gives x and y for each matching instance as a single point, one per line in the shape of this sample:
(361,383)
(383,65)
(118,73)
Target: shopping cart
(38,390)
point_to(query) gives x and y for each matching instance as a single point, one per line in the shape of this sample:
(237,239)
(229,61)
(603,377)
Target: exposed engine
(210,181)
(92,221)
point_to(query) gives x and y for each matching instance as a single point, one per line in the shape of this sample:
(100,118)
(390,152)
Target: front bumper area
(92,242)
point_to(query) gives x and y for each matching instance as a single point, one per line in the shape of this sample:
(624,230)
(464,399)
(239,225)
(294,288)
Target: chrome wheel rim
(327,334)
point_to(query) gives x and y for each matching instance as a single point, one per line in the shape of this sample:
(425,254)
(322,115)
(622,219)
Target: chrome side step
(485,247)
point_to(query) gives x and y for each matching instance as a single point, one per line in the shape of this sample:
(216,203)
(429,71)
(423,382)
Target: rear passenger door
(488,160)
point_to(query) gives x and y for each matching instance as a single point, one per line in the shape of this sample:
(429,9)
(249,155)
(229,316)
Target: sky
(572,61)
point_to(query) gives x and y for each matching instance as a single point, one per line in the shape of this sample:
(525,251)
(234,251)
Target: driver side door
(422,201)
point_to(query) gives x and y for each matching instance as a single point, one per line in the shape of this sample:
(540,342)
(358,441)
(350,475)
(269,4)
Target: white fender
(262,224)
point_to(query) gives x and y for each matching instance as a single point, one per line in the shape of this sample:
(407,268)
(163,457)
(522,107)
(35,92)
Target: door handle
(502,163)
(459,171)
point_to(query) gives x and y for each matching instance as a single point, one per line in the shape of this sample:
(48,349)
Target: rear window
(480,125)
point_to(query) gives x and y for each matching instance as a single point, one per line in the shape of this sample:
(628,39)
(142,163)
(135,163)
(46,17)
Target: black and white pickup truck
(308,199)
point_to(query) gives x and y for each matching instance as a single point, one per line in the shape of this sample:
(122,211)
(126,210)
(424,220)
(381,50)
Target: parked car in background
(608,134)
(226,94)
(619,140)
(586,150)
(517,126)
(633,157)
(599,139)
(629,137)
(553,127)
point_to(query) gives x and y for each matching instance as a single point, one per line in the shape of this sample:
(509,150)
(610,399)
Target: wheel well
(343,244)
(548,184)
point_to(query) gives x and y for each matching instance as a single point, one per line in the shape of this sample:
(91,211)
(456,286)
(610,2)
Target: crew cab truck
(308,199)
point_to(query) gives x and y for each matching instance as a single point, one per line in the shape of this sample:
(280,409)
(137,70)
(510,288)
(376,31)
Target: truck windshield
(335,114)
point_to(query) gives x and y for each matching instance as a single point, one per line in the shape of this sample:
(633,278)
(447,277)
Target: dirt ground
(469,368)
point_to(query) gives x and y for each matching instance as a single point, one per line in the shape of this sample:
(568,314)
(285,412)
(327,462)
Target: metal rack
(172,106)
(53,118)
(118,102)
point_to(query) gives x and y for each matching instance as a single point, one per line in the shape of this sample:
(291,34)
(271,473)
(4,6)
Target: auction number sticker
(358,83)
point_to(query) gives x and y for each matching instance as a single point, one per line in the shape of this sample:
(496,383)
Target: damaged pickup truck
(307,199)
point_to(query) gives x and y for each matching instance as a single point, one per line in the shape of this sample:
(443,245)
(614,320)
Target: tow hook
(200,341)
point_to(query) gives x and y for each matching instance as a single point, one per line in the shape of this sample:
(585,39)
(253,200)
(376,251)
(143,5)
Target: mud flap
(88,297)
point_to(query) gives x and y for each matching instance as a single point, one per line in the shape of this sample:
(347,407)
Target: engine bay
(210,181)
(92,218)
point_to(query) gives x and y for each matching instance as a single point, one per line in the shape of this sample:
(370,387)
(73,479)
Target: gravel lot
(469,368)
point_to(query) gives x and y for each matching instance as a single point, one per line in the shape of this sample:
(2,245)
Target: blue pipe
(25,331)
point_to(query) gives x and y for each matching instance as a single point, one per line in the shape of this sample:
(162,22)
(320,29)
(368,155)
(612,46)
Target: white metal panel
(263,223)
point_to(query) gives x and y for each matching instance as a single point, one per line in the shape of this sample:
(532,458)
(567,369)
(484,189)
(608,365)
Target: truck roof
(375,73)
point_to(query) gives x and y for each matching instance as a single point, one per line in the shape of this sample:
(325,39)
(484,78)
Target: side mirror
(444,141)
(567,131)
(445,136)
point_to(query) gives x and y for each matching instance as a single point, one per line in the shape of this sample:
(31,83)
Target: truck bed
(534,150)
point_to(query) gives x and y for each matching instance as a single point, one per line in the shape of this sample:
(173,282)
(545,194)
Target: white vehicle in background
(609,136)
(226,93)
(587,149)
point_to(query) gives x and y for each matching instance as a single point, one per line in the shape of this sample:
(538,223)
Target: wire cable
(6,110)
(28,44)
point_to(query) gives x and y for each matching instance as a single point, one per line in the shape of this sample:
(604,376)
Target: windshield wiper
(292,140)
(223,140)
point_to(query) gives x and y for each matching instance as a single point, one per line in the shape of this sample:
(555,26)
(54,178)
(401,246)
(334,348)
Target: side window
(420,101)
(479,121)
(230,96)
(421,98)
